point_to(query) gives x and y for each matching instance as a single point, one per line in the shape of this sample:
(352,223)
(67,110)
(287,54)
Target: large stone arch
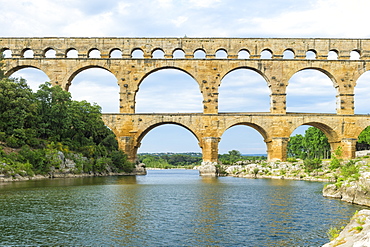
(326,72)
(12,70)
(331,102)
(329,131)
(191,83)
(140,135)
(83,68)
(222,76)
(186,71)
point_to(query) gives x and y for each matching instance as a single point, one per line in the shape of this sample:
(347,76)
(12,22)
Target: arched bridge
(52,56)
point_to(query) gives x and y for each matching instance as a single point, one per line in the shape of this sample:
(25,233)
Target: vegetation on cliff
(38,131)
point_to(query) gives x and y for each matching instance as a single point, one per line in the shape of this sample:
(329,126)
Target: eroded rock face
(357,192)
(356,233)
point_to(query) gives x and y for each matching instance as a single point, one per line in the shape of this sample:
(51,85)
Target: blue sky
(195,18)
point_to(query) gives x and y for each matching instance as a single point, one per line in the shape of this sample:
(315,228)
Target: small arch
(72,53)
(50,53)
(355,55)
(158,53)
(333,55)
(243,54)
(266,54)
(178,53)
(199,53)
(7,53)
(137,53)
(94,53)
(115,53)
(27,53)
(311,54)
(221,53)
(288,54)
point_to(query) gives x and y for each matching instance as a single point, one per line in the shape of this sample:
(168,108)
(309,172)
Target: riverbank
(349,181)
(138,170)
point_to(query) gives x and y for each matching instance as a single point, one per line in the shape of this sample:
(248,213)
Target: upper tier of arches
(186,48)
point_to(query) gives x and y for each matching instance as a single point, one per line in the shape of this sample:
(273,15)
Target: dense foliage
(234,156)
(48,124)
(170,160)
(313,145)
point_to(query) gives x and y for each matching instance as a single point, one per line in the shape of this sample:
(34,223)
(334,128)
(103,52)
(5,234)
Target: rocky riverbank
(356,233)
(349,181)
(67,173)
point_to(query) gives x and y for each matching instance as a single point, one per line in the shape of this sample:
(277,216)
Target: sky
(195,18)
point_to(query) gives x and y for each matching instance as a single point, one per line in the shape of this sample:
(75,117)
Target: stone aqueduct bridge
(342,128)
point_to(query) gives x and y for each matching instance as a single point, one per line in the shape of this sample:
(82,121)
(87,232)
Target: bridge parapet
(232,46)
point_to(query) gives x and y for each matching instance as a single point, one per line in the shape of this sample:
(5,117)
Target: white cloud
(204,3)
(324,18)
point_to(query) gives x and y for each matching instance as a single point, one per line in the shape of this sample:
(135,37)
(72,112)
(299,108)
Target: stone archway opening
(308,142)
(169,90)
(177,146)
(244,90)
(96,85)
(362,94)
(244,138)
(311,90)
(33,76)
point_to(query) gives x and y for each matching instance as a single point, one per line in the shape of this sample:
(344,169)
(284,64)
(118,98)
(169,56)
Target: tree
(314,144)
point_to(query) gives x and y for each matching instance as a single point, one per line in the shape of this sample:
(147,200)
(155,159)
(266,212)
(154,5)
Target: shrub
(333,233)
(312,164)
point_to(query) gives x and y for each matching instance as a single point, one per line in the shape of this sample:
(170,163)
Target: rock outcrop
(356,233)
(208,169)
(357,192)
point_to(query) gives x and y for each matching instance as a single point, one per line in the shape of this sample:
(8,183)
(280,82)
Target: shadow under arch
(141,135)
(187,95)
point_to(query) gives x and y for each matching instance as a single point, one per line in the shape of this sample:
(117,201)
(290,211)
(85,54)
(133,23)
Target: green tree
(313,145)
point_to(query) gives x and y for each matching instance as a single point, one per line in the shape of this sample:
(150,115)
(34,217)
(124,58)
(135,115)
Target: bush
(312,164)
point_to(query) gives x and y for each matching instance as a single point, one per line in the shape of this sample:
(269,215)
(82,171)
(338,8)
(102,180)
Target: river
(168,208)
